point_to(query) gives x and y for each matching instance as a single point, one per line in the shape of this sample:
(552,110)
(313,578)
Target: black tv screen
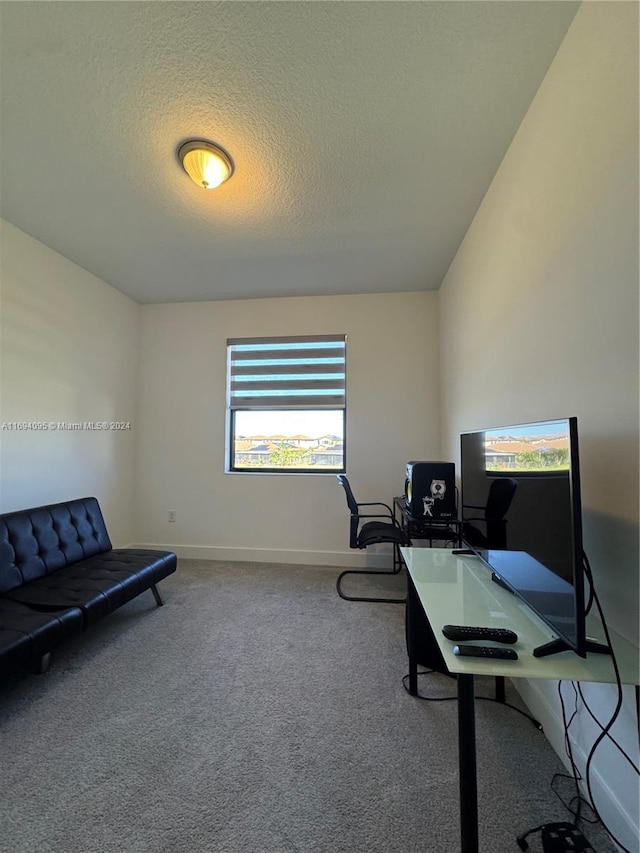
(521,514)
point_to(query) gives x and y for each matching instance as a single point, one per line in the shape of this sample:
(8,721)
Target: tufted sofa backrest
(35,542)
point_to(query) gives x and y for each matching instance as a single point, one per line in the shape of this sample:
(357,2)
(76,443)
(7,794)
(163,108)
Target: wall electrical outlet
(171,515)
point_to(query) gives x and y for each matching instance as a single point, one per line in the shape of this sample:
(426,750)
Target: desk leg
(467,765)
(412,604)
(413,674)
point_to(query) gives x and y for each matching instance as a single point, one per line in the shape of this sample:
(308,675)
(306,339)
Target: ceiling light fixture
(207,164)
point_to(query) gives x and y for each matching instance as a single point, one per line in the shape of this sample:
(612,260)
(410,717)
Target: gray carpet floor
(256,712)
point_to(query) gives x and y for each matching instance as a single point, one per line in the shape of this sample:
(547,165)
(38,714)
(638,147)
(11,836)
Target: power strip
(564,838)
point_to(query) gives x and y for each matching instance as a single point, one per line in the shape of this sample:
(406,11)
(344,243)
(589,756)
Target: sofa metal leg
(156,595)
(42,665)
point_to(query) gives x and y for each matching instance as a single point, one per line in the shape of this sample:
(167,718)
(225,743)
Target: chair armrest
(390,518)
(388,514)
(486,518)
(377,503)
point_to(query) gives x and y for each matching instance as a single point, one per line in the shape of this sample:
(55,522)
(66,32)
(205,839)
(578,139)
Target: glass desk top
(458,590)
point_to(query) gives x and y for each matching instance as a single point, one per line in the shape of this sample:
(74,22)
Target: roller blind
(287,373)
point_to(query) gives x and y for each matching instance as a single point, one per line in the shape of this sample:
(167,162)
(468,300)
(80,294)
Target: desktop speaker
(430,489)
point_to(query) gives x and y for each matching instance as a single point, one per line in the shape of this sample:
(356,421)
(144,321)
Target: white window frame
(309,374)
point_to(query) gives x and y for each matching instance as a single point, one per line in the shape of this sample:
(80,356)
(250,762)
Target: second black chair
(382,527)
(492,532)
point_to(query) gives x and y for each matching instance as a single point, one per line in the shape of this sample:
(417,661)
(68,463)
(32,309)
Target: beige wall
(392,416)
(539,319)
(68,353)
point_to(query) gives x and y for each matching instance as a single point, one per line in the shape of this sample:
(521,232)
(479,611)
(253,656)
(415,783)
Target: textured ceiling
(364,134)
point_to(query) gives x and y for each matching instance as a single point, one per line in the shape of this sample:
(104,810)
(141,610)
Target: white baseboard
(536,694)
(339,559)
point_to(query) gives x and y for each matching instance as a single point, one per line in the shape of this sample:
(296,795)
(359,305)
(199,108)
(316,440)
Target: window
(286,404)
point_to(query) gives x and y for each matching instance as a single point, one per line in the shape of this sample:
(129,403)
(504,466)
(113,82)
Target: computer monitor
(536,549)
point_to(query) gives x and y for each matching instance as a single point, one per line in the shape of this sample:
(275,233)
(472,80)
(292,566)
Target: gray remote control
(485,652)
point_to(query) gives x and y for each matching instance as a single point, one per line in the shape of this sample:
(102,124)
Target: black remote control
(485,652)
(467,632)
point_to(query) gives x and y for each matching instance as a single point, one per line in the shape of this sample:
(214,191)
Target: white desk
(458,590)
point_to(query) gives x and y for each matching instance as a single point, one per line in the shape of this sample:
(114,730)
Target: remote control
(466,632)
(485,652)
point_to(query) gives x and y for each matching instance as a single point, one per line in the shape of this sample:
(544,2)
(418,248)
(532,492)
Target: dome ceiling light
(206,163)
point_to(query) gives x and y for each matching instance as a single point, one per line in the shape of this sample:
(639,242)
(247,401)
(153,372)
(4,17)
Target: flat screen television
(521,514)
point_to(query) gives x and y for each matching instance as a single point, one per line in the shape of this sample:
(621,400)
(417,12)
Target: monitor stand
(497,579)
(556,646)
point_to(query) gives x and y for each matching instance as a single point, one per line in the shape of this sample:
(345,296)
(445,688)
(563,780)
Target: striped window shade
(287,373)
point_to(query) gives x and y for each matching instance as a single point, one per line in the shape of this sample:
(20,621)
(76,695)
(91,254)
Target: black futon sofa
(59,574)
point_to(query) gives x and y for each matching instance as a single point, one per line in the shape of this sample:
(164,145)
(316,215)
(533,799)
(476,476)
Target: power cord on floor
(405,682)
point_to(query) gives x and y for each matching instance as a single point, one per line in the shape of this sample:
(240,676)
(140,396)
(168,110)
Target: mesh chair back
(498,502)
(353,509)
(351,501)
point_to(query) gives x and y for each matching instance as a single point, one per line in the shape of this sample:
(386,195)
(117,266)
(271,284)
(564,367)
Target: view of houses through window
(533,449)
(289,439)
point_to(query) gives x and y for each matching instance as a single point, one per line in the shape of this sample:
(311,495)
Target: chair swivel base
(365,598)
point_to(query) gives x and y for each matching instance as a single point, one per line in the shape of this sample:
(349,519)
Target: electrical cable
(604,731)
(614,716)
(587,572)
(576,776)
(624,754)
(454,698)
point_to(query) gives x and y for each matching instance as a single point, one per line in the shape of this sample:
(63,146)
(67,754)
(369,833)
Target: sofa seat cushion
(160,563)
(26,635)
(99,584)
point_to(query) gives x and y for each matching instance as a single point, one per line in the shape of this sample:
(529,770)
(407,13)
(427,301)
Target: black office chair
(361,535)
(492,532)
